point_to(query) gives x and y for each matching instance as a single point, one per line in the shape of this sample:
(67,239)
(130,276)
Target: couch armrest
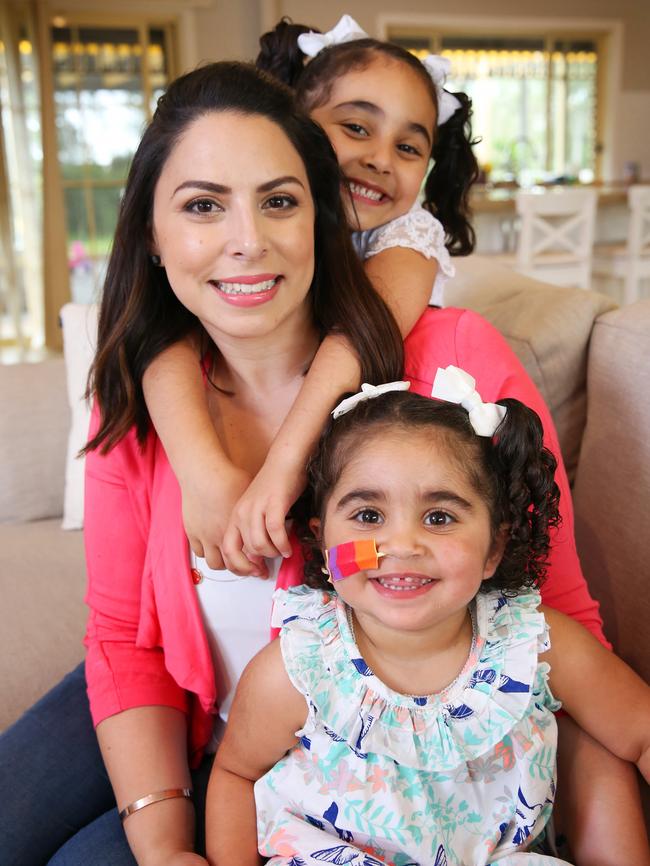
(34,424)
(612,490)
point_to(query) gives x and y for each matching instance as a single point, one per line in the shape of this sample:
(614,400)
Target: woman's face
(233,224)
(381,121)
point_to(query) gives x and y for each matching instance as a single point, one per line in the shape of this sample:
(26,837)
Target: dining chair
(556,235)
(630,261)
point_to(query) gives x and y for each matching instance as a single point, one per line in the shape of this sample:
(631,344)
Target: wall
(231,29)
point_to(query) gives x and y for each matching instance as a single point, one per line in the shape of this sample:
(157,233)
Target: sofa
(590,360)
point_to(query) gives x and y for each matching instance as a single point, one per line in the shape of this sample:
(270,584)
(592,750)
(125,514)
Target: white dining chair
(629,262)
(556,235)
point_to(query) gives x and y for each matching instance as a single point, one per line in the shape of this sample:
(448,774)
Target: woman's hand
(257,523)
(207,505)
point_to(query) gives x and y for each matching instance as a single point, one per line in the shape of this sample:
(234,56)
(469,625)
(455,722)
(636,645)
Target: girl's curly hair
(513,472)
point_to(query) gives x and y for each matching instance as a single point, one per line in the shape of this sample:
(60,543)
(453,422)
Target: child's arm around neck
(175,394)
(265,714)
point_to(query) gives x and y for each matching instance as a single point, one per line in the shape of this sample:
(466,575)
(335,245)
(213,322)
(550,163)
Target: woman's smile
(248,291)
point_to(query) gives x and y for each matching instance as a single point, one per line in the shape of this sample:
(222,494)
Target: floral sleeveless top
(465,776)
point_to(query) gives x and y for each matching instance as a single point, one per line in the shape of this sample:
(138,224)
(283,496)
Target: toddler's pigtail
(455,169)
(528,495)
(280,55)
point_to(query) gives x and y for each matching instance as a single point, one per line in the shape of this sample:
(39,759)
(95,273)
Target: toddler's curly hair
(513,472)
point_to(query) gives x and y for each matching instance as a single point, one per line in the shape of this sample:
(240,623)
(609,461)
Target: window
(99,81)
(105,78)
(535,101)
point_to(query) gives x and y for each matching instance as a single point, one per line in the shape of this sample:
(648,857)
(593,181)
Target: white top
(416,230)
(237,617)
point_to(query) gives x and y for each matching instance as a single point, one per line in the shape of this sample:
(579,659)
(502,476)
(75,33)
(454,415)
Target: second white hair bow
(347,30)
(368,392)
(456,386)
(438,68)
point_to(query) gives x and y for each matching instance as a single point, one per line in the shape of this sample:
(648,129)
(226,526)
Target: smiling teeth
(372,194)
(245,288)
(411,583)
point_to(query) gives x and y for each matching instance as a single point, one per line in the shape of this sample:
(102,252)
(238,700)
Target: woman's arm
(175,395)
(145,750)
(603,694)
(611,704)
(403,277)
(266,712)
(138,708)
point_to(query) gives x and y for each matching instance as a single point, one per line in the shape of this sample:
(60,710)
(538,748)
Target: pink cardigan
(145,640)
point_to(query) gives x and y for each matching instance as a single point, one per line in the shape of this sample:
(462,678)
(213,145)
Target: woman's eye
(438,518)
(356,128)
(368,515)
(203,206)
(280,202)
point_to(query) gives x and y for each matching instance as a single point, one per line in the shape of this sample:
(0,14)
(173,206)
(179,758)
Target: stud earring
(155,260)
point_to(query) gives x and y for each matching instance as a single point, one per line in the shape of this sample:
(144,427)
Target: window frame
(606,34)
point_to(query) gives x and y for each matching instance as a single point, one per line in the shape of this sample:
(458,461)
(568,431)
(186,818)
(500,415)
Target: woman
(231,228)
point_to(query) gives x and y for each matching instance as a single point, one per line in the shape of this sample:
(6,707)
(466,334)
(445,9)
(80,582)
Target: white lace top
(416,230)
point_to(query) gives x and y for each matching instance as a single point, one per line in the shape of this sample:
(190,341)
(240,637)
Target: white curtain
(21,212)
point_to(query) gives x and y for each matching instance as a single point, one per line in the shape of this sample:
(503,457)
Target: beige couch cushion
(34,424)
(612,490)
(548,328)
(43,583)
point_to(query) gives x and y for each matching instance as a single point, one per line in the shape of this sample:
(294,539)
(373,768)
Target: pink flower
(342,781)
(377,777)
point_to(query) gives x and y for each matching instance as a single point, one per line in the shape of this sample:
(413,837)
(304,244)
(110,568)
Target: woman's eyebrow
(279,181)
(222,189)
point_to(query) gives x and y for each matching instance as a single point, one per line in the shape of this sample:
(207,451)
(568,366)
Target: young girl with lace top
(406,715)
(388,116)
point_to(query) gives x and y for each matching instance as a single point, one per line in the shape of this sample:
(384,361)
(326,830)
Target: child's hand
(207,507)
(257,523)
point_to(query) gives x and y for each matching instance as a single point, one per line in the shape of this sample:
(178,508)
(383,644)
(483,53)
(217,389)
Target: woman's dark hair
(455,168)
(140,315)
(512,472)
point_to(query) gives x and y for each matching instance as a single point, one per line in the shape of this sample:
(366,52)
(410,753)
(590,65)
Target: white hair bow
(347,30)
(438,68)
(456,386)
(368,392)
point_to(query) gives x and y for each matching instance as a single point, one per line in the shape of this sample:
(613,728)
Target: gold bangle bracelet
(167,794)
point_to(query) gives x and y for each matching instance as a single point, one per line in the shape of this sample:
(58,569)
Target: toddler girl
(387,115)
(405,716)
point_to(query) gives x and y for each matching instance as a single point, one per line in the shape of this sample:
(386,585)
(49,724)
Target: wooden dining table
(495,219)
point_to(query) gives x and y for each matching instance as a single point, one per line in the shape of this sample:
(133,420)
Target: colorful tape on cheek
(351,557)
